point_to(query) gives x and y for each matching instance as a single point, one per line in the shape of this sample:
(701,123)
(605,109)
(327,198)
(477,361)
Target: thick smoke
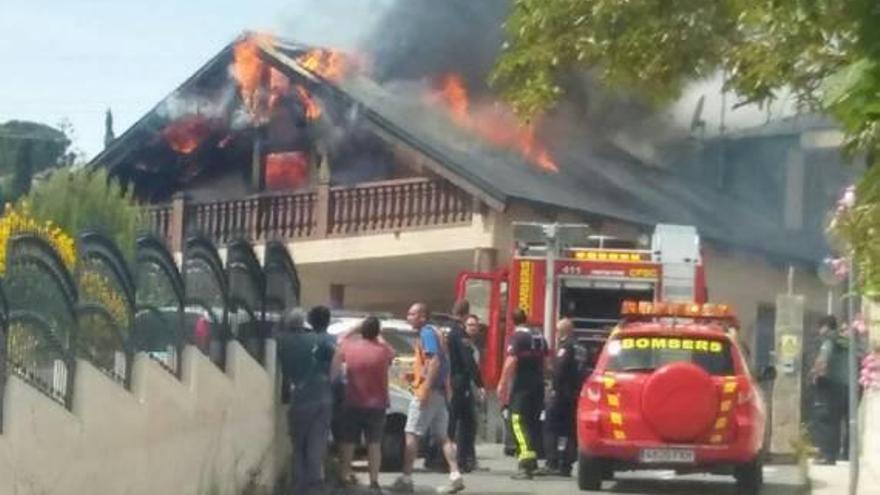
(418,41)
(423,39)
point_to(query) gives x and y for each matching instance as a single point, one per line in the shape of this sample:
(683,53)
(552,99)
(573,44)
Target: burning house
(384,192)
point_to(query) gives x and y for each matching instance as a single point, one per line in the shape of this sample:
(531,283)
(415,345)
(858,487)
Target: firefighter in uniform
(521,391)
(568,373)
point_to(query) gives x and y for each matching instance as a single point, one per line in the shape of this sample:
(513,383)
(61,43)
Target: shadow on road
(691,487)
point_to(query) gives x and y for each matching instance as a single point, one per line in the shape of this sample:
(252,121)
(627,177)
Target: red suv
(671,390)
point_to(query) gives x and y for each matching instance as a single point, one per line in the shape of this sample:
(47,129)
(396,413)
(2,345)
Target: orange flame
(253,75)
(455,96)
(279,87)
(185,135)
(250,71)
(329,64)
(497,124)
(313,111)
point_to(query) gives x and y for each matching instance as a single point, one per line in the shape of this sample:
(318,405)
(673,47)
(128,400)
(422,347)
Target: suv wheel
(749,477)
(590,473)
(393,443)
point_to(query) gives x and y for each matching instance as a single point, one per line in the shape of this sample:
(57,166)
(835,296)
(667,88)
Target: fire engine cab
(589,278)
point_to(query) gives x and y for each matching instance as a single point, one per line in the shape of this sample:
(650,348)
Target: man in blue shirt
(428,411)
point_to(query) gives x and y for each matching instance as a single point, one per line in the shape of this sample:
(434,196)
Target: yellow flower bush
(19,220)
(94,286)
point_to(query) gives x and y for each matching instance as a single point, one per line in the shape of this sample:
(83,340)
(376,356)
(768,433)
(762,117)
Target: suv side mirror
(768,374)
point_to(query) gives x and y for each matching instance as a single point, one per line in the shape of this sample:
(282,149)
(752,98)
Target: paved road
(494,479)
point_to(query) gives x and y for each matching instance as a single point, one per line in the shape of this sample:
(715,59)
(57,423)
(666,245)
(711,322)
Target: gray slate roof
(596,181)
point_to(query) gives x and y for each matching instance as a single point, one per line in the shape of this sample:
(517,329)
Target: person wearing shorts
(366,357)
(429,410)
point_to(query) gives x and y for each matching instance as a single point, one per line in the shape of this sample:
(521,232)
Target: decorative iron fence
(105,313)
(42,329)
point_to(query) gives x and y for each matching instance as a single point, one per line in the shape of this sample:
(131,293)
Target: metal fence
(107,308)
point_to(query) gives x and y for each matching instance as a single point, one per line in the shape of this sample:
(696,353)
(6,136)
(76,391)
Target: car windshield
(402,344)
(648,353)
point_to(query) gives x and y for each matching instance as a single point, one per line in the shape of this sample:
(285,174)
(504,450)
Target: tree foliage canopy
(27,148)
(827,52)
(81,199)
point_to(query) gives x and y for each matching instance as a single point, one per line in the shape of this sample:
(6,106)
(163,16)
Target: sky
(74,59)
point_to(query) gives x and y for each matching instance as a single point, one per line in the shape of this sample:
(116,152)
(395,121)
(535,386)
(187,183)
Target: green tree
(23,170)
(825,52)
(26,149)
(78,199)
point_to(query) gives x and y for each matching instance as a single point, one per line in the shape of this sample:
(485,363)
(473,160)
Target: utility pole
(550,233)
(552,236)
(853,381)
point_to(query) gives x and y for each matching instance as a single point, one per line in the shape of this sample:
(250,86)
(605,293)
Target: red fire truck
(591,277)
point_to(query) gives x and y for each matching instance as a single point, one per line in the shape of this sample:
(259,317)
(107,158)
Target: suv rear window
(647,353)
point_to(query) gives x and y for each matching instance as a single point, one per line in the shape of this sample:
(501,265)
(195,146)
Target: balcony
(326,212)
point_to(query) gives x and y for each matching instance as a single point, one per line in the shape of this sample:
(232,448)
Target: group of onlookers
(345,381)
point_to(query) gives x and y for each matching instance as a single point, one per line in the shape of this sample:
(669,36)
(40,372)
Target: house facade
(382,199)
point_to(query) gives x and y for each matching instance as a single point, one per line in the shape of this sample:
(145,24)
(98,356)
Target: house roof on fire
(599,181)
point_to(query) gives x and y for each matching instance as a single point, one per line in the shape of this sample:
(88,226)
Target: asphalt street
(493,478)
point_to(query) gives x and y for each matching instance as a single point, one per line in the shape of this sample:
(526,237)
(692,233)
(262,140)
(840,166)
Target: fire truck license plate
(667,456)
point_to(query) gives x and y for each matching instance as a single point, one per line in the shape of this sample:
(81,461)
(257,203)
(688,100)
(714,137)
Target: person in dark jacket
(561,444)
(831,378)
(521,391)
(305,358)
(466,382)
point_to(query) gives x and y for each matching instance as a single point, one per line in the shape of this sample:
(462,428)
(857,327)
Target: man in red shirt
(366,357)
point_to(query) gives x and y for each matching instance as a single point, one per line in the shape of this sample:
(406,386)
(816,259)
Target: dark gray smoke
(419,39)
(424,39)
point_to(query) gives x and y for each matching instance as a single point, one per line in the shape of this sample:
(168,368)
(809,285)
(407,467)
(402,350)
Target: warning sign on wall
(789,347)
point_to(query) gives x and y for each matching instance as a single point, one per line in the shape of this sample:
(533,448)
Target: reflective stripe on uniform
(525,451)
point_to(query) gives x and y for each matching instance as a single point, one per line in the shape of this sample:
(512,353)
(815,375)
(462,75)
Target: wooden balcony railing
(327,212)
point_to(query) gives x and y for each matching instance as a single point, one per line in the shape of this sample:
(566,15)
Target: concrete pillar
(869,413)
(337,296)
(177,227)
(786,400)
(485,259)
(490,426)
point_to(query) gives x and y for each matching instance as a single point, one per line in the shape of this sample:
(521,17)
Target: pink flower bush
(844,205)
(869,378)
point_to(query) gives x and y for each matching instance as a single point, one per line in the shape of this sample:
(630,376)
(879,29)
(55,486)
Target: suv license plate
(667,456)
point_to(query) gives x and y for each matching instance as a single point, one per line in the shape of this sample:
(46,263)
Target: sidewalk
(831,480)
